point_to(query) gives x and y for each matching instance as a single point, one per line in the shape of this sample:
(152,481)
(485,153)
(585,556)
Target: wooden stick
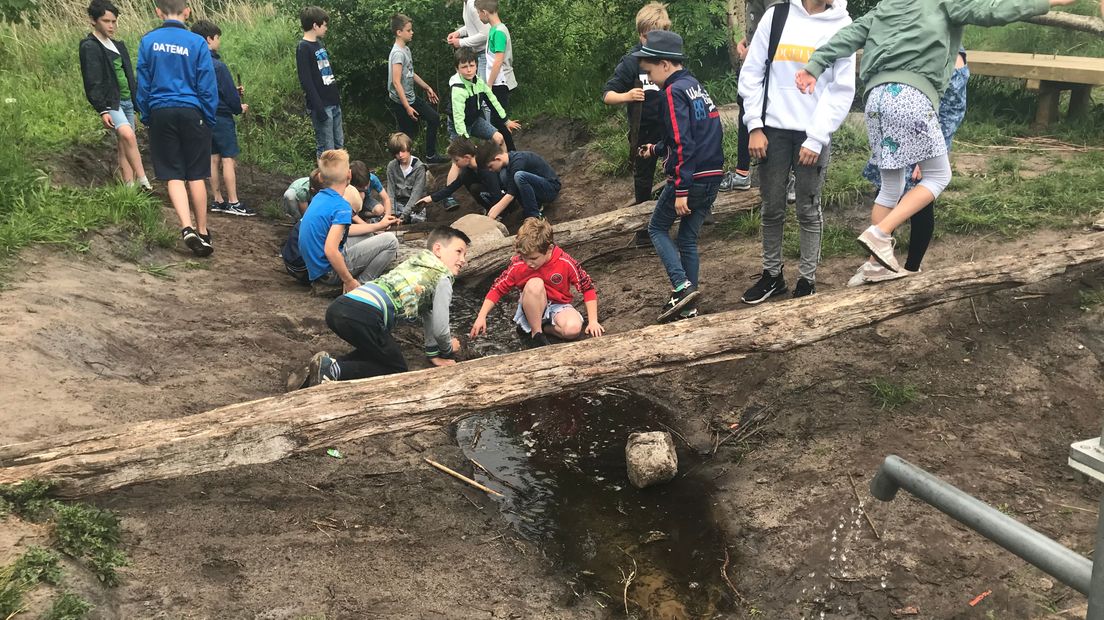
(724,574)
(855,492)
(491,474)
(462,477)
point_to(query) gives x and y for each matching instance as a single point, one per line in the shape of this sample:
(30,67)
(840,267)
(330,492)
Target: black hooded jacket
(101,87)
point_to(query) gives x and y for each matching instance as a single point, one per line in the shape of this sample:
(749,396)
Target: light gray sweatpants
(783,148)
(366,257)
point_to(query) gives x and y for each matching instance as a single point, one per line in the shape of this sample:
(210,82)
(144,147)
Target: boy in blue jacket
(224,135)
(693,162)
(177,96)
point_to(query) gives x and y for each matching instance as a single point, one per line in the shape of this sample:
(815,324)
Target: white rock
(651,458)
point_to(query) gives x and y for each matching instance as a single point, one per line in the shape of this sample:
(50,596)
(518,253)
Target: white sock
(877,232)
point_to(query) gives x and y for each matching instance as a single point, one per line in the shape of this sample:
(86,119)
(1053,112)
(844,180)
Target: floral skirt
(902,126)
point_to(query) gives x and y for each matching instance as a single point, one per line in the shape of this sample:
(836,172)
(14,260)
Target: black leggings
(502,93)
(375,351)
(409,126)
(921,229)
(743,155)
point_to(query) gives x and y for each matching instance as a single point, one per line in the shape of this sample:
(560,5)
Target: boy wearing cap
(693,162)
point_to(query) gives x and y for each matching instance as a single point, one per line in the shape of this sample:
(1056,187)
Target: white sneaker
(880,249)
(872,273)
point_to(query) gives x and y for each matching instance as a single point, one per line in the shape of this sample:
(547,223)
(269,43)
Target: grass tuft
(85,531)
(1091,298)
(891,395)
(68,606)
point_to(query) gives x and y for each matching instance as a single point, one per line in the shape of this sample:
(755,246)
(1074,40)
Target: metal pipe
(1096,594)
(1069,567)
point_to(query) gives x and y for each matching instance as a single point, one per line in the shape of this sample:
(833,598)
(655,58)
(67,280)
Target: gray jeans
(366,258)
(783,149)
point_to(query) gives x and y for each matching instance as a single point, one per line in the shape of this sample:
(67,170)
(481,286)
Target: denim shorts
(224,137)
(550,311)
(124,115)
(480,128)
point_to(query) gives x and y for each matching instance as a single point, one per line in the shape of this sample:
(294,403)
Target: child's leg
(534,299)
(126,173)
(502,93)
(533,190)
(644,168)
(375,351)
(338,127)
(216,179)
(406,124)
(743,155)
(229,178)
(198,190)
(936,175)
(428,115)
(178,196)
(368,257)
(567,324)
(921,230)
(700,201)
(809,181)
(774,173)
(323,130)
(659,228)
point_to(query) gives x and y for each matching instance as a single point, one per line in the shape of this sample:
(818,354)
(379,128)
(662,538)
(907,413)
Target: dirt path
(1003,385)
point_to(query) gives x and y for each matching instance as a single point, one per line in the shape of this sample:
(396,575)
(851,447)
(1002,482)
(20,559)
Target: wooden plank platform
(1041,67)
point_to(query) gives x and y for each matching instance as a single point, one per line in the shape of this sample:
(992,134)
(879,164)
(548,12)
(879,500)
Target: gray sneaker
(735,181)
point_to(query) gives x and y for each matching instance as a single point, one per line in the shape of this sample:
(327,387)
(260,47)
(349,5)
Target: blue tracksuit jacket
(691,145)
(175,71)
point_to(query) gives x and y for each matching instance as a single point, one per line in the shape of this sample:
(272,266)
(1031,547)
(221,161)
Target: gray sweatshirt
(406,190)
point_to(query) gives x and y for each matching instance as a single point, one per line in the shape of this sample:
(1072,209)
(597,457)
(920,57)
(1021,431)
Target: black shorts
(180,143)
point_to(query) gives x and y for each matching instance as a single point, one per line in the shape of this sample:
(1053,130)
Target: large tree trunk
(270,429)
(735,15)
(1070,21)
(603,226)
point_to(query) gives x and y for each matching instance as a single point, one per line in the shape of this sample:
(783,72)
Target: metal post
(1063,564)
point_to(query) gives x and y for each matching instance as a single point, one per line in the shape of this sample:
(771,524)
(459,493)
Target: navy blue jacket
(229,101)
(528,161)
(691,145)
(175,71)
(624,79)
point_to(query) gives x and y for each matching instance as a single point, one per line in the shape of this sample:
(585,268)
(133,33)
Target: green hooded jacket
(914,42)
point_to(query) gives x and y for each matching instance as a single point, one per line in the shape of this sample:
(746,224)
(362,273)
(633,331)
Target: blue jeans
(328,132)
(681,261)
(533,191)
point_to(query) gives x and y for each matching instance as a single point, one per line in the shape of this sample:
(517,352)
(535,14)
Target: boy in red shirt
(545,274)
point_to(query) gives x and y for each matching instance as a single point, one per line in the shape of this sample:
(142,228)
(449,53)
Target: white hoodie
(819,114)
(474,32)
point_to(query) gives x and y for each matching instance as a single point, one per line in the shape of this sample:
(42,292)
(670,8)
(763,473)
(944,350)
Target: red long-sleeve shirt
(560,273)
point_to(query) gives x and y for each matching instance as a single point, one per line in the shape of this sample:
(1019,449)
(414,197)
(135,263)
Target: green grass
(889,395)
(1006,201)
(79,530)
(21,576)
(1030,38)
(1090,298)
(68,606)
(836,240)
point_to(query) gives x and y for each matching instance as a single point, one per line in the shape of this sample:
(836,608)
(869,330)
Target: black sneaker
(766,286)
(804,288)
(679,301)
(538,339)
(436,159)
(237,208)
(320,369)
(206,239)
(195,243)
(451,203)
(218,207)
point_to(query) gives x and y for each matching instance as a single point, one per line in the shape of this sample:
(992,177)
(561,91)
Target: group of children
(796,87)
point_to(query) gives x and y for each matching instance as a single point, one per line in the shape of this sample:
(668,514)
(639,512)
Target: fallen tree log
(1070,21)
(270,429)
(602,226)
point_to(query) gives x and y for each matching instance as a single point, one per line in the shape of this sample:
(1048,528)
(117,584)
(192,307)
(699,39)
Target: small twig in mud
(627,580)
(724,575)
(323,531)
(974,306)
(1030,295)
(476,435)
(462,477)
(1092,512)
(679,435)
(491,474)
(869,521)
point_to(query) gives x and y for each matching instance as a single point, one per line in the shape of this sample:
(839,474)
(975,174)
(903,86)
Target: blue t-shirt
(327,209)
(374,184)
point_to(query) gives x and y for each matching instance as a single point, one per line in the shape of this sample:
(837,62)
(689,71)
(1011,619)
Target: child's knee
(378,209)
(125,135)
(535,286)
(936,175)
(497,137)
(569,323)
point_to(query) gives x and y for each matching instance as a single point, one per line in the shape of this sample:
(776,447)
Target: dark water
(560,464)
